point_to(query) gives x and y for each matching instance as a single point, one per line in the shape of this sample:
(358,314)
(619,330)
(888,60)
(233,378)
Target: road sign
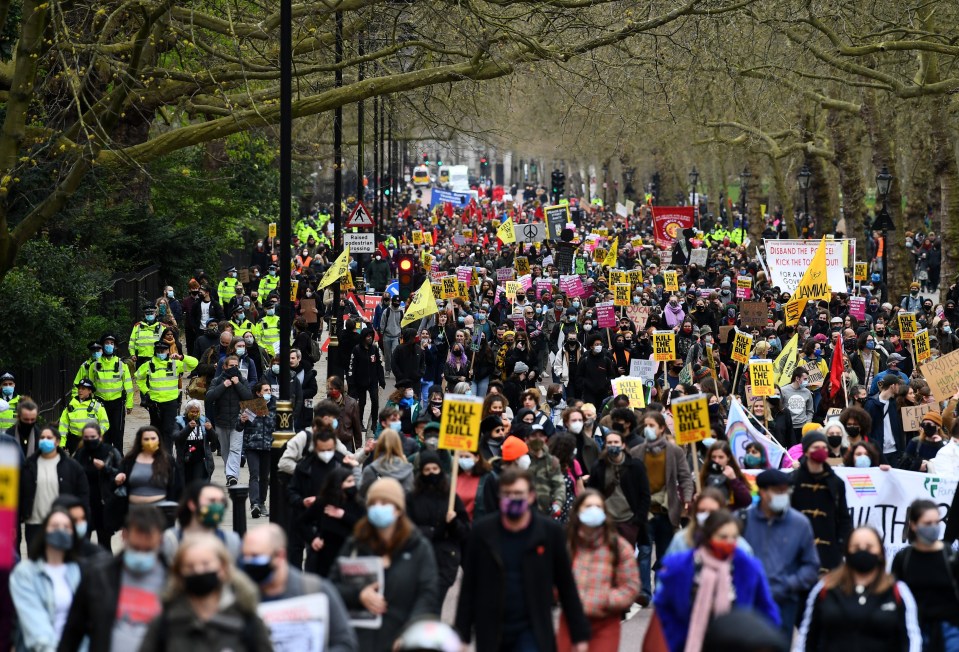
(530,233)
(360,218)
(360,243)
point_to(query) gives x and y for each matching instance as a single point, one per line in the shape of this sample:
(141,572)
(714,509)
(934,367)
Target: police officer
(81,409)
(145,334)
(227,288)
(270,283)
(240,323)
(268,330)
(159,383)
(114,384)
(8,392)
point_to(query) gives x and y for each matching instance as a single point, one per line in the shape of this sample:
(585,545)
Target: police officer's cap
(95,346)
(237,308)
(7,376)
(161,346)
(108,336)
(231,270)
(271,268)
(86,383)
(149,308)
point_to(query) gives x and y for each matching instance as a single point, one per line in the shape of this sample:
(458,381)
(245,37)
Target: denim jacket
(32,591)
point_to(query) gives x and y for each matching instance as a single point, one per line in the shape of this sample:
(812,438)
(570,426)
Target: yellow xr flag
(423,305)
(339,268)
(814,283)
(505,231)
(785,362)
(613,254)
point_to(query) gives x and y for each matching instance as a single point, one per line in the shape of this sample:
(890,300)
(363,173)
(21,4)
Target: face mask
(139,563)
(513,508)
(914,292)
(395,425)
(779,503)
(835,441)
(863,462)
(592,516)
(91,444)
(576,427)
(432,443)
(97,355)
(150,318)
(108,349)
(523,462)
(59,539)
(466,463)
(853,431)
(212,515)
(381,516)
(721,550)
(275,369)
(819,455)
(248,340)
(240,317)
(597,350)
(752,460)
(928,534)
(930,429)
(267,397)
(650,433)
(862,561)
(47,446)
(8,391)
(241,351)
(81,528)
(588,327)
(708,442)
(576,304)
(326,456)
(335,424)
(614,451)
(170,293)
(701,517)
(201,584)
(259,568)
(163,356)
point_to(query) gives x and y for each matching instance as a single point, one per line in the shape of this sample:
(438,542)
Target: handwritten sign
(942,374)
(912,415)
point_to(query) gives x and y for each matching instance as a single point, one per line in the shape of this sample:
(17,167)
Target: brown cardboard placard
(308,307)
(912,415)
(942,374)
(754,314)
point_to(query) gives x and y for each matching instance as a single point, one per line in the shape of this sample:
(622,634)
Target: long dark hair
(162,462)
(366,535)
(38,547)
(916,510)
(561,446)
(842,578)
(191,494)
(331,493)
(610,534)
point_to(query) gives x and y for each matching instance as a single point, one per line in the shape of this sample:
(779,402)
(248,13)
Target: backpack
(315,351)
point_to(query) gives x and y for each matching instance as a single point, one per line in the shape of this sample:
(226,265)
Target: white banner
(788,260)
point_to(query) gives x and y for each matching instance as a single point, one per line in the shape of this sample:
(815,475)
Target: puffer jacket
(258,434)
(223,402)
(395,468)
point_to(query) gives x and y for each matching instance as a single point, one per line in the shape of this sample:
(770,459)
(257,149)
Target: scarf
(713,598)
(657,445)
(674,315)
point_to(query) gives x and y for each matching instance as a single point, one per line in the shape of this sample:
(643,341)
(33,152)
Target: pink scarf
(712,598)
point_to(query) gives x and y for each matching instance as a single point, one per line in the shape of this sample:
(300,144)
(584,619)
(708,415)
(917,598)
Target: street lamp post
(693,182)
(744,177)
(332,354)
(803,178)
(883,223)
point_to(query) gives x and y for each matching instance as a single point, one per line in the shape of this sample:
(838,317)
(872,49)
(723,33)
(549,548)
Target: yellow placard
(762,377)
(907,325)
(793,310)
(633,388)
(450,289)
(621,294)
(690,418)
(664,346)
(636,243)
(468,234)
(742,345)
(463,289)
(506,232)
(616,277)
(294,286)
(744,283)
(923,348)
(437,289)
(428,238)
(9,486)
(428,260)
(417,238)
(272,230)
(599,255)
(460,423)
(635,277)
(512,287)
(602,231)
(522,265)
(861,269)
(814,283)
(671,279)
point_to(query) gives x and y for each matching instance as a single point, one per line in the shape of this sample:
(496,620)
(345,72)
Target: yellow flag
(613,254)
(505,232)
(338,269)
(793,310)
(423,305)
(814,283)
(785,363)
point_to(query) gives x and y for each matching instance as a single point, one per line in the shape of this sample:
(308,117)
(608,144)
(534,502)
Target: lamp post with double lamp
(744,177)
(693,182)
(803,178)
(883,223)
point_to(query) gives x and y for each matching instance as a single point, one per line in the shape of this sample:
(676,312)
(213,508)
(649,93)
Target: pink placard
(571,285)
(606,315)
(464,274)
(526,282)
(543,285)
(857,307)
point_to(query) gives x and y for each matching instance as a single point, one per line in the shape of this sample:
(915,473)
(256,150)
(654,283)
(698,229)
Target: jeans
(661,535)
(939,635)
(525,641)
(390,343)
(480,387)
(231,449)
(788,612)
(259,463)
(425,387)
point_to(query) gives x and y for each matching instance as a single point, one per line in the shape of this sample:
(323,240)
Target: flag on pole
(339,269)
(613,254)
(836,369)
(814,285)
(741,433)
(423,304)
(785,362)
(505,232)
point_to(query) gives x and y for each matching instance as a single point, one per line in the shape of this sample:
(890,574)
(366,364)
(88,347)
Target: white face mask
(576,427)
(326,456)
(597,349)
(701,517)
(523,462)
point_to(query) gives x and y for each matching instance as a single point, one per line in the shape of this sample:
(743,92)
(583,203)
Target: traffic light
(404,263)
(426,159)
(484,164)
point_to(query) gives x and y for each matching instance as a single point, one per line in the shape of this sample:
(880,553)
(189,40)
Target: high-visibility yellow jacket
(267,285)
(142,338)
(268,332)
(226,290)
(9,416)
(159,380)
(76,414)
(242,327)
(110,375)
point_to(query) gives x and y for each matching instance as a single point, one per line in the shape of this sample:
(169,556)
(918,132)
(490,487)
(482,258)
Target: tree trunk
(779,180)
(947,173)
(844,130)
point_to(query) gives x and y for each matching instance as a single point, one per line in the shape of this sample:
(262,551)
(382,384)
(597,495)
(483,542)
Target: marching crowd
(575,497)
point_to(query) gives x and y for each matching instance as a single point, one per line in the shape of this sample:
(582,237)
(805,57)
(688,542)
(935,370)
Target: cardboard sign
(671,279)
(762,378)
(243,275)
(742,345)
(923,348)
(505,274)
(621,294)
(606,315)
(724,332)
(664,346)
(644,369)
(450,289)
(753,314)
(907,325)
(861,271)
(639,315)
(912,415)
(522,265)
(942,374)
(460,423)
(308,308)
(857,307)
(744,287)
(690,418)
(634,388)
(256,405)
(698,257)
(816,379)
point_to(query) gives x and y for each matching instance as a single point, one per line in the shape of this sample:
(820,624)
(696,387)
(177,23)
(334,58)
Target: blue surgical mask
(592,516)
(8,391)
(108,349)
(139,563)
(539,311)
(381,516)
(246,304)
(871,345)
(267,397)
(275,369)
(708,441)
(576,304)
(335,424)
(863,462)
(395,425)
(81,529)
(170,293)
(270,311)
(636,300)
(163,356)
(97,355)
(650,433)
(240,316)
(241,351)
(47,446)
(150,317)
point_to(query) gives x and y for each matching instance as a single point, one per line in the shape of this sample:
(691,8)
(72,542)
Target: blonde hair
(190,541)
(389,446)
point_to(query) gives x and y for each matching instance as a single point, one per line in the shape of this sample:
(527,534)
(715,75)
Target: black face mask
(259,573)
(201,584)
(432,479)
(715,467)
(835,441)
(853,431)
(862,561)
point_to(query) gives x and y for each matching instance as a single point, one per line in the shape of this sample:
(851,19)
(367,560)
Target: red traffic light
(406,264)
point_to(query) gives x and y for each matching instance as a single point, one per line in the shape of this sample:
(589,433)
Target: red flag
(836,369)
(447,209)
(383,252)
